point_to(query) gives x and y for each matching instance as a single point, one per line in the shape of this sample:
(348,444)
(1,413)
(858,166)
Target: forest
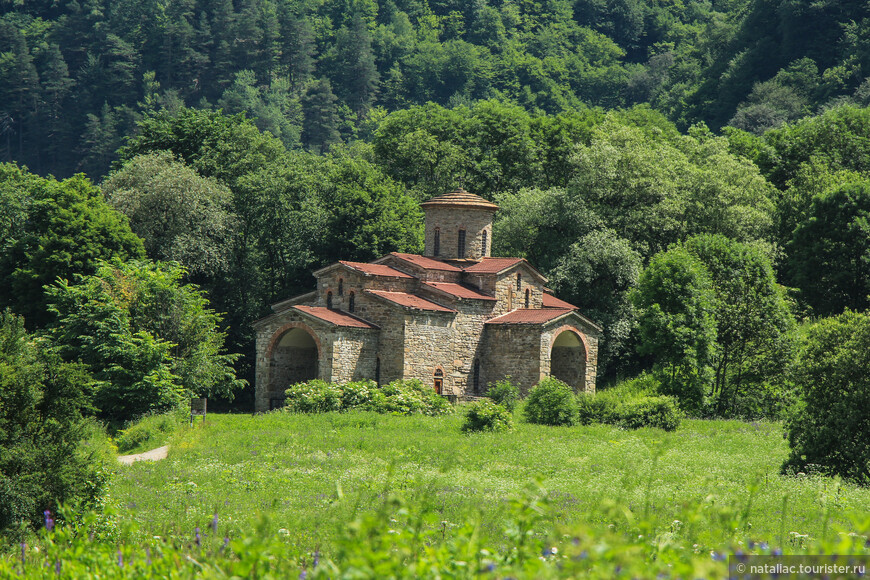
(693,175)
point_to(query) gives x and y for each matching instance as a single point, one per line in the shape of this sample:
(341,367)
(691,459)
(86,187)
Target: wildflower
(214,523)
(777,552)
(303,575)
(198,538)
(120,559)
(148,555)
(717,557)
(490,568)
(49,522)
(23,552)
(763,545)
(226,543)
(316,558)
(57,567)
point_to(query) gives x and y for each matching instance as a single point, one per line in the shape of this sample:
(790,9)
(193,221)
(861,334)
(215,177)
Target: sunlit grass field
(705,485)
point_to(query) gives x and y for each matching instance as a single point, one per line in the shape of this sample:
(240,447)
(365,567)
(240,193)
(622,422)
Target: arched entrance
(294,359)
(568,360)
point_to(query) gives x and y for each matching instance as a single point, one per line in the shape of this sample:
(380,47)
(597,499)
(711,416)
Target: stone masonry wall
(590,340)
(428,346)
(512,350)
(509,298)
(354,351)
(449,220)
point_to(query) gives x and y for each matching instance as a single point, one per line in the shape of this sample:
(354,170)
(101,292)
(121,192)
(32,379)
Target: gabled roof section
(500,266)
(460,198)
(288,302)
(409,301)
(530,316)
(335,317)
(551,301)
(375,269)
(422,262)
(458,291)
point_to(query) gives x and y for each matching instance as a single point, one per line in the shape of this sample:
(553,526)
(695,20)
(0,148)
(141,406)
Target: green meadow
(360,494)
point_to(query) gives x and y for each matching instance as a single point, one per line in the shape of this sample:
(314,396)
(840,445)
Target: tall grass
(360,488)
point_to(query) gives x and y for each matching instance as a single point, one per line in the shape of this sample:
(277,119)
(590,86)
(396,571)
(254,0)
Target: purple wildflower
(49,522)
(490,568)
(226,543)
(214,523)
(198,538)
(23,553)
(777,552)
(148,555)
(718,557)
(316,558)
(57,567)
(303,575)
(120,559)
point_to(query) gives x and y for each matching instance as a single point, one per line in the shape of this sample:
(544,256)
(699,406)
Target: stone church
(454,318)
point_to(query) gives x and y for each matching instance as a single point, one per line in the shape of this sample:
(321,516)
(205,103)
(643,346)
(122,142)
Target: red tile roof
(551,301)
(410,301)
(529,316)
(460,198)
(336,317)
(459,291)
(425,262)
(375,269)
(492,265)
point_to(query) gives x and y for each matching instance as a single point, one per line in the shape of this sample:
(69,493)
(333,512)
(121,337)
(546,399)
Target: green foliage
(487,416)
(50,454)
(676,323)
(504,393)
(632,404)
(830,430)
(551,402)
(829,255)
(397,398)
(179,215)
(150,341)
(150,431)
(59,229)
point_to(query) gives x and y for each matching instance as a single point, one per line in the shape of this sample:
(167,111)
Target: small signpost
(198,407)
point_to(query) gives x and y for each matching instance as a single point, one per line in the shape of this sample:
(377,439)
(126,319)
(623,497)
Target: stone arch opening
(294,358)
(568,360)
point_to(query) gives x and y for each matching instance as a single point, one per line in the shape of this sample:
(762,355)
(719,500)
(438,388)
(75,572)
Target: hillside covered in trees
(76,75)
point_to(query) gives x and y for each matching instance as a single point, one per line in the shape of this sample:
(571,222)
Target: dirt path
(153,455)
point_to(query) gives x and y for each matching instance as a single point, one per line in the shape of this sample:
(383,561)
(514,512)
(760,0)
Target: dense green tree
(320,118)
(69,227)
(351,65)
(676,323)
(43,459)
(180,215)
(754,326)
(831,429)
(149,340)
(829,255)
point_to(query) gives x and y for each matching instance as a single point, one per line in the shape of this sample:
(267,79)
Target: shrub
(357,395)
(409,397)
(505,393)
(831,427)
(595,408)
(660,412)
(151,430)
(487,416)
(315,396)
(551,402)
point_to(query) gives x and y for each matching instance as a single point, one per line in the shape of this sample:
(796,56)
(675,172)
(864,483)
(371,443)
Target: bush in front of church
(487,416)
(504,393)
(409,397)
(551,402)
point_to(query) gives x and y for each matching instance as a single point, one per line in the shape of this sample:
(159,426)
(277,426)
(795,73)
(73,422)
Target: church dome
(459,198)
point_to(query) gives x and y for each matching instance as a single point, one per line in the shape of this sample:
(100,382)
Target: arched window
(329,299)
(351,305)
(460,247)
(378,371)
(439,381)
(519,281)
(437,249)
(341,287)
(483,241)
(476,376)
(528,297)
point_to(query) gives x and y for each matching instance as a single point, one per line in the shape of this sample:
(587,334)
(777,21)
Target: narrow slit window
(351,301)
(519,281)
(341,287)
(460,250)
(436,250)
(483,241)
(329,299)
(528,297)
